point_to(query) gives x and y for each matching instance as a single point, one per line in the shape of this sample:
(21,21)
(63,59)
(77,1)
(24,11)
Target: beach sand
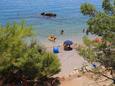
(70,60)
(82,81)
(85,81)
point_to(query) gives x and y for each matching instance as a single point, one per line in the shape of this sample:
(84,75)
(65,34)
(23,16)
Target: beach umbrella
(68,42)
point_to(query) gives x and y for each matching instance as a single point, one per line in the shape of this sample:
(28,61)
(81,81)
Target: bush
(21,60)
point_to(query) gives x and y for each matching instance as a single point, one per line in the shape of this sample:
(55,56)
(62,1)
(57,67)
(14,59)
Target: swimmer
(62,32)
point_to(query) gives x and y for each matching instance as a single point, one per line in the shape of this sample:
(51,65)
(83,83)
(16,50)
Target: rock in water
(48,14)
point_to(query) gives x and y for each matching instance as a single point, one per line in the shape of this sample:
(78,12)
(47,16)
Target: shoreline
(76,39)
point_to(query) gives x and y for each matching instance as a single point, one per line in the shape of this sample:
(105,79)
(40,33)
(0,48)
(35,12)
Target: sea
(69,17)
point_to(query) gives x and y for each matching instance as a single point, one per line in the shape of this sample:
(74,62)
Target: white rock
(77,71)
(74,72)
(88,68)
(103,67)
(75,68)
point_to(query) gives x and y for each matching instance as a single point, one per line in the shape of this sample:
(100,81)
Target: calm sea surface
(68,17)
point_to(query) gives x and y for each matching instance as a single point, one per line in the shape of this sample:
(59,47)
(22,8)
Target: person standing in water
(62,32)
(83,30)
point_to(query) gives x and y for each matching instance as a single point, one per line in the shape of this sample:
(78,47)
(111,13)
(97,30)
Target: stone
(48,14)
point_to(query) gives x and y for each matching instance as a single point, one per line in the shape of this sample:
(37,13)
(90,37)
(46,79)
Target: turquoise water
(68,17)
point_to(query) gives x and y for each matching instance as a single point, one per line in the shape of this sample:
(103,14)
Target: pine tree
(102,24)
(21,60)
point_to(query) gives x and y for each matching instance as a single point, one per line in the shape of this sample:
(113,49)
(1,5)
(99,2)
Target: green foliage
(107,6)
(15,55)
(11,37)
(88,9)
(102,24)
(87,41)
(87,51)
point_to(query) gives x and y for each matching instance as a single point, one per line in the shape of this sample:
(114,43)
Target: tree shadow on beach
(48,82)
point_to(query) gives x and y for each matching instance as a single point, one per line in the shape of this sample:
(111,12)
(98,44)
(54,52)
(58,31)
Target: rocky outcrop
(48,14)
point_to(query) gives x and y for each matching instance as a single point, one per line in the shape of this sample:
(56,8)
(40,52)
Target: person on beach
(62,32)
(54,39)
(87,32)
(83,30)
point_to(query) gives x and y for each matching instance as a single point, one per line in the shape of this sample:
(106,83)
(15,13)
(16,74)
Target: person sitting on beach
(62,32)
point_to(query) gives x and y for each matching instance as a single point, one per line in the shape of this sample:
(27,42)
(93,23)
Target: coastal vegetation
(20,61)
(102,24)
